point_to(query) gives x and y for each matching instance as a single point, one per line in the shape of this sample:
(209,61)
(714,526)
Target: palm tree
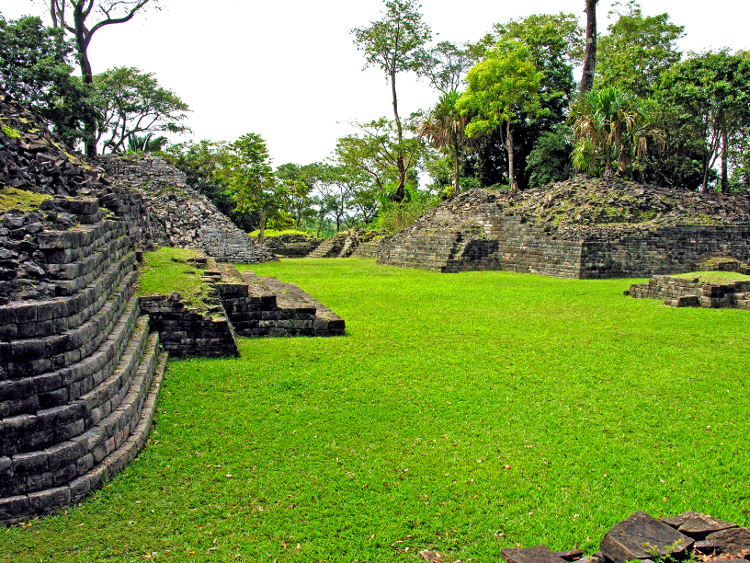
(445,128)
(612,128)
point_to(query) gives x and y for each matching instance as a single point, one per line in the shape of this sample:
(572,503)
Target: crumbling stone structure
(180,216)
(343,244)
(681,292)
(688,536)
(80,369)
(582,228)
(292,245)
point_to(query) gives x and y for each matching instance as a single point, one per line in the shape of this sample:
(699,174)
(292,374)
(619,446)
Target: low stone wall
(188,331)
(292,245)
(681,292)
(180,216)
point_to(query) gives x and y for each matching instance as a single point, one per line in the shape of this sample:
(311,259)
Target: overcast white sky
(289,71)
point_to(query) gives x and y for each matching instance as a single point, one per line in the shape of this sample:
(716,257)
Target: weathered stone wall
(76,371)
(681,292)
(292,245)
(188,331)
(482,230)
(179,215)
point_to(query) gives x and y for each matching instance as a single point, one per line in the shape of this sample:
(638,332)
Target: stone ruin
(582,228)
(177,214)
(80,362)
(690,536)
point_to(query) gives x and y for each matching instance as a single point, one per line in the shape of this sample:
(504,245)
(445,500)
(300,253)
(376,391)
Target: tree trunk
(83,38)
(511,171)
(401,189)
(589,58)
(724,159)
(262,228)
(456,187)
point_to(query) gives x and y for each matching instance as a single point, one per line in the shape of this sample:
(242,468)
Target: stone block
(14,507)
(732,541)
(537,554)
(49,500)
(697,525)
(643,537)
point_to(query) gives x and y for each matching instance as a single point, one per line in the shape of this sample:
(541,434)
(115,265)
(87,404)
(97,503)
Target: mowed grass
(461,413)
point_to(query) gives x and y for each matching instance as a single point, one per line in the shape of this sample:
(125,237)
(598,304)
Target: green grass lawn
(461,413)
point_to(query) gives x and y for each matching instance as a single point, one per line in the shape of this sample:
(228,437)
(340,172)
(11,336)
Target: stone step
(69,471)
(36,356)
(63,386)
(53,316)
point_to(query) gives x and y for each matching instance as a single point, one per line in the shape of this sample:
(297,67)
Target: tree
(36,70)
(132,102)
(712,91)
(72,16)
(445,128)
(395,44)
(556,45)
(589,57)
(445,66)
(549,161)
(612,128)
(501,86)
(300,181)
(379,154)
(637,51)
(244,166)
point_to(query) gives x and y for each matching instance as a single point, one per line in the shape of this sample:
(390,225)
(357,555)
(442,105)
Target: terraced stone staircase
(79,373)
(267,307)
(340,245)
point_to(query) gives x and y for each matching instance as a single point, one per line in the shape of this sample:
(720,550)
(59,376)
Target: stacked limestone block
(681,292)
(340,245)
(79,372)
(583,228)
(267,307)
(180,216)
(292,245)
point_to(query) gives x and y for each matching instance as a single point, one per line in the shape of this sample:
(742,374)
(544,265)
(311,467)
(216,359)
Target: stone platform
(584,228)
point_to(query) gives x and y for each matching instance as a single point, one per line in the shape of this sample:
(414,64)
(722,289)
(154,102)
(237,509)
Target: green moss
(8,131)
(23,200)
(274,233)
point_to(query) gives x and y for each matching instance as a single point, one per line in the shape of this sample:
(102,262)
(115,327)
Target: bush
(401,215)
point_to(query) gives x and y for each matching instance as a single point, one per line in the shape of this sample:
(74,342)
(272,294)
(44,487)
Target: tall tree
(555,43)
(637,50)
(244,167)
(713,91)
(445,66)
(74,16)
(445,128)
(502,86)
(132,102)
(395,44)
(589,57)
(35,68)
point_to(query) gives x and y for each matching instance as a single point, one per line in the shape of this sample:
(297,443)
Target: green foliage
(550,161)
(555,45)
(244,167)
(710,93)
(147,143)
(8,131)
(36,69)
(131,102)
(445,128)
(637,50)
(440,422)
(445,66)
(501,87)
(612,129)
(401,215)
(714,277)
(396,44)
